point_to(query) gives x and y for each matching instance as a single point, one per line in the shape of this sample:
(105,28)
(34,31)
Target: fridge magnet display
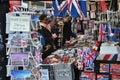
(87,76)
(102,77)
(115,69)
(19,59)
(104,68)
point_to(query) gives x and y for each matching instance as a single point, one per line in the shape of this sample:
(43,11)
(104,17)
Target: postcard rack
(22,49)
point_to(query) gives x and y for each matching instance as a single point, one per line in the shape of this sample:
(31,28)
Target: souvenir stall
(107,62)
(81,58)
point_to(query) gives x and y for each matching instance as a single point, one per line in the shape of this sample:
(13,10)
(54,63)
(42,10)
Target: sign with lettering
(20,24)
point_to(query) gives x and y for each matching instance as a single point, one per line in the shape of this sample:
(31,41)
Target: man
(44,30)
(67,32)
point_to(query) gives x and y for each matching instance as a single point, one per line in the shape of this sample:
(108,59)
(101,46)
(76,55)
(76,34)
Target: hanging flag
(59,8)
(63,8)
(91,55)
(103,5)
(114,5)
(77,8)
(102,34)
(55,9)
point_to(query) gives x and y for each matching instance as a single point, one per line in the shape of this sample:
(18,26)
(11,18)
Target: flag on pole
(103,5)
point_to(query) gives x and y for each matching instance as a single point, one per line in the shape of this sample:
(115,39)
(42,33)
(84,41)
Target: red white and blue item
(77,8)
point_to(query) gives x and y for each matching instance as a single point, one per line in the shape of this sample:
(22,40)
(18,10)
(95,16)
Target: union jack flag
(102,33)
(55,9)
(77,8)
(89,57)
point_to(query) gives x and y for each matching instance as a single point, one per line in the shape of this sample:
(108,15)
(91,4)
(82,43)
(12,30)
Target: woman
(44,30)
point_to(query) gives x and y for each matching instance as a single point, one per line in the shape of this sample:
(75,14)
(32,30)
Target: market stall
(107,62)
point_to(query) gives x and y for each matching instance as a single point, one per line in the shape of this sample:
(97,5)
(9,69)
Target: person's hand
(47,47)
(54,36)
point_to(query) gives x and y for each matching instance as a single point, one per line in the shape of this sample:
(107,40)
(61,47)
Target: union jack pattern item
(77,8)
(108,57)
(17,8)
(102,33)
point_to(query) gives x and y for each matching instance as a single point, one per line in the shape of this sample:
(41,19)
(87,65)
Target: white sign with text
(20,23)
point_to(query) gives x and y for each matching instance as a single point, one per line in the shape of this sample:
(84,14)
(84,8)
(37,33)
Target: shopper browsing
(44,30)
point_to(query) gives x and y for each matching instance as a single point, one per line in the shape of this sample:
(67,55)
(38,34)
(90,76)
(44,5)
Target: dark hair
(42,16)
(67,15)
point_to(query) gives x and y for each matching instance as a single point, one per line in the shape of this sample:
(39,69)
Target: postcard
(102,77)
(19,59)
(87,76)
(20,74)
(104,68)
